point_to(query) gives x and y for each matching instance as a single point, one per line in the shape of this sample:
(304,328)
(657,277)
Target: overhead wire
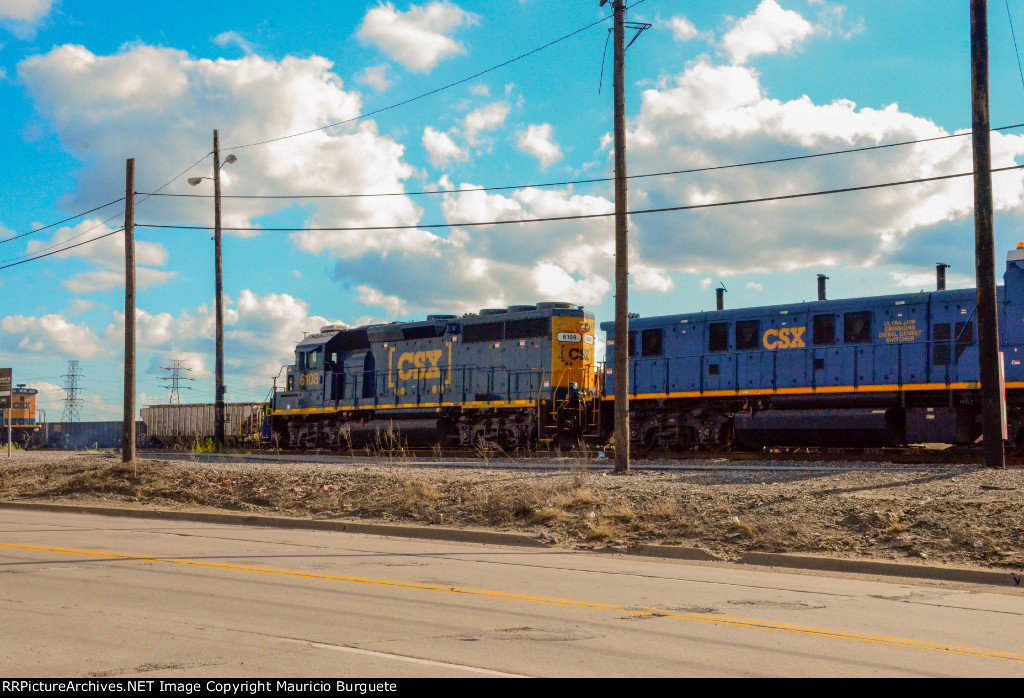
(1014,35)
(70,218)
(595,180)
(690,207)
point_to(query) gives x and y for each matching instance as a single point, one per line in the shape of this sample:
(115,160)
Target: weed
(207,445)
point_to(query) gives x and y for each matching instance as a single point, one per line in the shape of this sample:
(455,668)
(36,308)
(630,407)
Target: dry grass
(972,518)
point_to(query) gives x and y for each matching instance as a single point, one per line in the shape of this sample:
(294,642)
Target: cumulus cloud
(418,38)
(376,76)
(108,108)
(22,17)
(683,28)
(233,38)
(485,118)
(393,305)
(50,335)
(441,148)
(754,286)
(106,253)
(768,29)
(537,141)
(715,115)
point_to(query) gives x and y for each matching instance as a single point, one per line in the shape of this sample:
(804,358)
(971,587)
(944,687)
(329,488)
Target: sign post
(5,402)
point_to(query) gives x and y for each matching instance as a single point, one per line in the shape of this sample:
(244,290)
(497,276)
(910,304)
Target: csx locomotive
(859,372)
(886,370)
(511,377)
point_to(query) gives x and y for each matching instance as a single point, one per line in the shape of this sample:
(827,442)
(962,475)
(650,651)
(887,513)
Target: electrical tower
(177,370)
(72,403)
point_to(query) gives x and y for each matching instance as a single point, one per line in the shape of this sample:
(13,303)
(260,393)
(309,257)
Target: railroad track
(768,459)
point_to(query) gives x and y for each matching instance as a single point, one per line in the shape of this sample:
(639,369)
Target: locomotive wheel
(647,444)
(724,442)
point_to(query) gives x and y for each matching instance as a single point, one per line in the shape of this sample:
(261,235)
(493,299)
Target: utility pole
(218,428)
(992,398)
(622,348)
(128,437)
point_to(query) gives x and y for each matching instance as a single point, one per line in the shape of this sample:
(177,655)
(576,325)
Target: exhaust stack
(821,287)
(940,276)
(720,297)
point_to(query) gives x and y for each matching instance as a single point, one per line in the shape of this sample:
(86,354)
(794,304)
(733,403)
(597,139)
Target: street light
(218,427)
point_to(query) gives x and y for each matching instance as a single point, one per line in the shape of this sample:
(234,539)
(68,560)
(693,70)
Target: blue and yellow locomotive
(24,427)
(887,370)
(509,378)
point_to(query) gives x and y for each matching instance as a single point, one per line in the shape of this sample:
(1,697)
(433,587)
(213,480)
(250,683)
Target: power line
(694,170)
(425,94)
(63,249)
(28,257)
(71,218)
(691,207)
(1014,35)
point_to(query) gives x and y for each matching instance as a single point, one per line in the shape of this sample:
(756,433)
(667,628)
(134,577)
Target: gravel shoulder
(961,517)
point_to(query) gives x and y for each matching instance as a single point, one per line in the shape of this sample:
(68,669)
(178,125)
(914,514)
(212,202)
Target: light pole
(218,428)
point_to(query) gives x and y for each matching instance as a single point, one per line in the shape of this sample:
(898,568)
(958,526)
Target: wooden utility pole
(218,427)
(128,437)
(988,322)
(622,348)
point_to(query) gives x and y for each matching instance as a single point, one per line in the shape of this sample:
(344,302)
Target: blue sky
(86,85)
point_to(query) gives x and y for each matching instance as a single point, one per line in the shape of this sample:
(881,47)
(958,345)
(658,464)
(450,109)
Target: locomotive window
(940,344)
(650,342)
(747,334)
(314,358)
(718,336)
(857,328)
(824,330)
(964,337)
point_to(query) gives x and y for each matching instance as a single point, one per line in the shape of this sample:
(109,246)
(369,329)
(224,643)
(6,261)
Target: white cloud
(480,90)
(683,28)
(24,10)
(923,280)
(393,305)
(485,118)
(107,108)
(768,29)
(705,283)
(754,286)
(442,148)
(716,115)
(537,141)
(51,335)
(232,38)
(376,76)
(418,38)
(107,253)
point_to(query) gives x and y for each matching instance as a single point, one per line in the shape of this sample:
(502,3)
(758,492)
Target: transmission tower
(174,380)
(72,403)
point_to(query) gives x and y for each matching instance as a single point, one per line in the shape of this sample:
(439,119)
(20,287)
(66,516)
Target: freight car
(506,377)
(182,425)
(885,370)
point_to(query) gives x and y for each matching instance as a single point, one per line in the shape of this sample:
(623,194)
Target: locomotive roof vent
(556,305)
(521,308)
(493,311)
(333,328)
(442,317)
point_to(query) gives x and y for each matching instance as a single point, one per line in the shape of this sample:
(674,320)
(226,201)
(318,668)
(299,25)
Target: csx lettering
(786,338)
(576,354)
(424,364)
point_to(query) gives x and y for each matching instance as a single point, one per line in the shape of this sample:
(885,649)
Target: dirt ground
(950,516)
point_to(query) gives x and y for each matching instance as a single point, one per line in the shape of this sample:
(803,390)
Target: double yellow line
(529,598)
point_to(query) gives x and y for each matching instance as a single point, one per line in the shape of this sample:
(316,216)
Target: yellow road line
(553,601)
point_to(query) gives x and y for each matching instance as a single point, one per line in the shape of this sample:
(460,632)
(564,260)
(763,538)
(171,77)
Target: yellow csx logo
(310,379)
(577,354)
(424,364)
(786,338)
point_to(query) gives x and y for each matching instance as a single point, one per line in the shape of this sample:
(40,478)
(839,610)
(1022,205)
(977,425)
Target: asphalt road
(84,595)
